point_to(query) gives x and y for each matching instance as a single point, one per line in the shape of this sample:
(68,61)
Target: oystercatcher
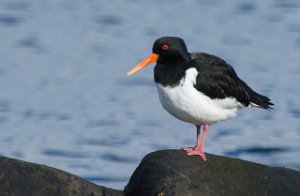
(198,88)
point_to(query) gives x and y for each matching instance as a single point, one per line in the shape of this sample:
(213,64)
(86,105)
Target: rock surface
(23,178)
(172,172)
(161,173)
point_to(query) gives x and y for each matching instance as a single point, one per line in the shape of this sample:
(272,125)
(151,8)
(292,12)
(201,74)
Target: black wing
(218,80)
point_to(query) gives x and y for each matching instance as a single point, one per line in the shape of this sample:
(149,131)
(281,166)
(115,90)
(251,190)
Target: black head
(166,51)
(170,48)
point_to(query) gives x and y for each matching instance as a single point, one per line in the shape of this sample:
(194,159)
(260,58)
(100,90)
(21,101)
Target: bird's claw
(195,151)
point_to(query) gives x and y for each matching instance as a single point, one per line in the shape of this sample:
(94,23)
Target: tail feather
(257,99)
(260,100)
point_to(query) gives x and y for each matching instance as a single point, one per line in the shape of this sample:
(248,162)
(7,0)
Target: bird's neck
(169,72)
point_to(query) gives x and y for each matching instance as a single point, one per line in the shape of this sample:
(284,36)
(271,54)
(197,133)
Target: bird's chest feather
(188,104)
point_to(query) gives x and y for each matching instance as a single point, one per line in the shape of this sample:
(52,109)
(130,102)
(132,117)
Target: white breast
(188,104)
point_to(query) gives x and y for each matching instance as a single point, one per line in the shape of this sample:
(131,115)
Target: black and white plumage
(198,88)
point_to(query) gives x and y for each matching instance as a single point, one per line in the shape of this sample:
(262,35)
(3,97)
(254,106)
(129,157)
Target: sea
(67,102)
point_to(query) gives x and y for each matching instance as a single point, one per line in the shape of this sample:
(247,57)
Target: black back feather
(217,79)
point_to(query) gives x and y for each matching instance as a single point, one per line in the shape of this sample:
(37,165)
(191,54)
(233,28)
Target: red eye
(165,47)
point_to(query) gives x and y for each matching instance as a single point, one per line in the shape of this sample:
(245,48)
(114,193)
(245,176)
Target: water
(66,100)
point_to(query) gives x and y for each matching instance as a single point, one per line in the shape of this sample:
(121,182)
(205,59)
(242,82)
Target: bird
(198,88)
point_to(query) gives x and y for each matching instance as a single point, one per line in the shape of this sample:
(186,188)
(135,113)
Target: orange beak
(152,58)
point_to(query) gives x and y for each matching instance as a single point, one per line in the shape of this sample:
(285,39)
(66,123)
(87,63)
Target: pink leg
(205,132)
(199,148)
(198,142)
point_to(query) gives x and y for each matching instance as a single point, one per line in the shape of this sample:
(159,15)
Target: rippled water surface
(66,100)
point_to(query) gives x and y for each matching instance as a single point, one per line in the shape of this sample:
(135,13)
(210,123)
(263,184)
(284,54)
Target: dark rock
(172,172)
(24,178)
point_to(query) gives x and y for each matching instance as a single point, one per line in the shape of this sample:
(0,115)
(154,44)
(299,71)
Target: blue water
(66,100)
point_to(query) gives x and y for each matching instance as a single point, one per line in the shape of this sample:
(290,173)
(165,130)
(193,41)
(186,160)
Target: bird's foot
(195,151)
